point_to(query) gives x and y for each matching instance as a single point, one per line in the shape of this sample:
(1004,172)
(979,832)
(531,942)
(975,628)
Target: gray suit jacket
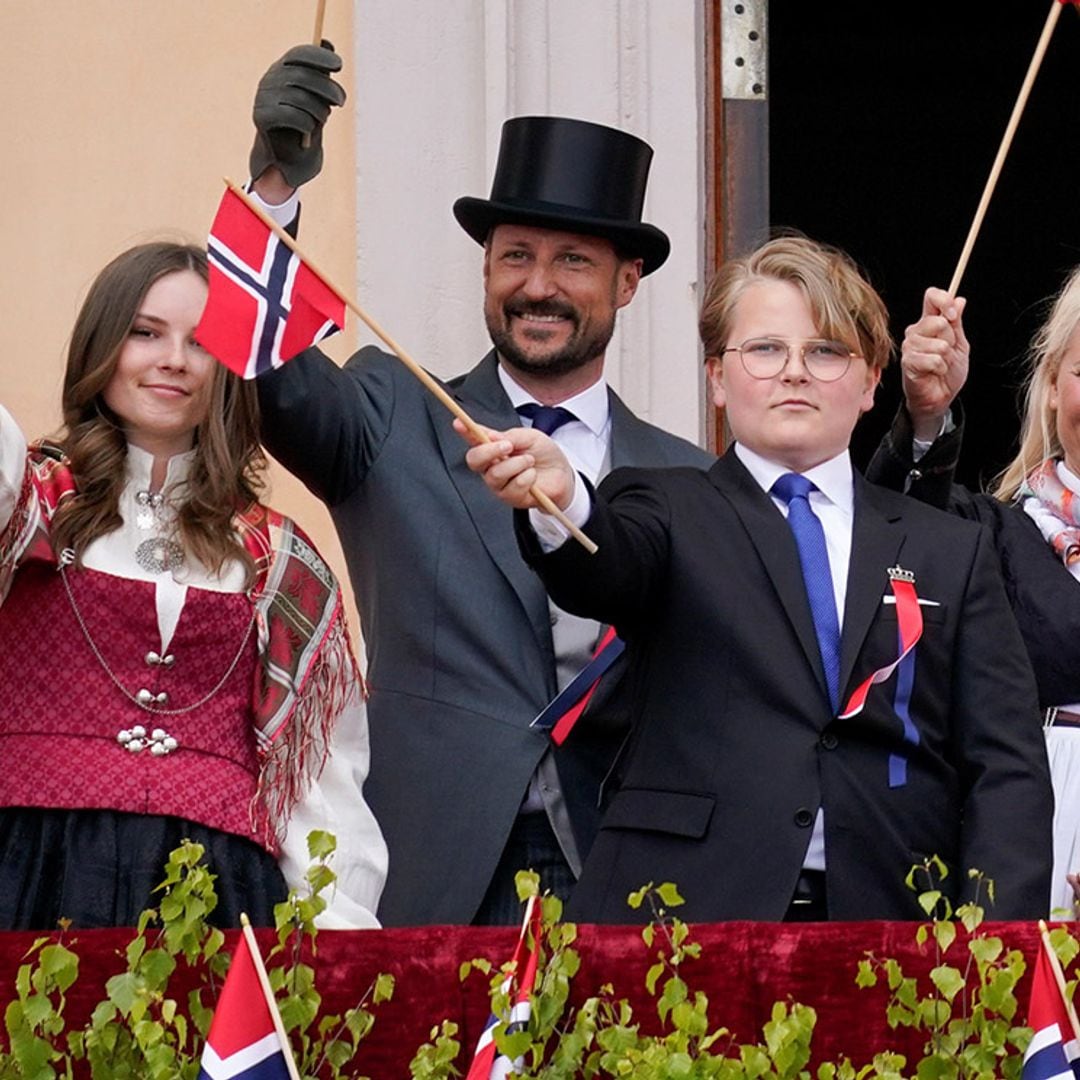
(457,627)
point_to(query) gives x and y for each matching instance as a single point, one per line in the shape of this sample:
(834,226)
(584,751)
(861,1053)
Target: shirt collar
(592,406)
(140,464)
(833,478)
(1068,477)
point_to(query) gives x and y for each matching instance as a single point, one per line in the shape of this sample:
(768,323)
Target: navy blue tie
(794,490)
(545,418)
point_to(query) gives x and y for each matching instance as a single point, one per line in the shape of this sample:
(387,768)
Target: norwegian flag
(1053,1053)
(488,1063)
(265,304)
(243,1042)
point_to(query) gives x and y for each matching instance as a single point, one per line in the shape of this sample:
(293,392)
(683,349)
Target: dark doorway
(884,120)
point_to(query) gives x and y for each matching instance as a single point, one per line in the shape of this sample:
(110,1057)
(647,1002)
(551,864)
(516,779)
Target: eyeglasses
(765,358)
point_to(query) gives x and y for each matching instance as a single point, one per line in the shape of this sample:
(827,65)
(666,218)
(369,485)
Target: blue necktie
(545,418)
(794,489)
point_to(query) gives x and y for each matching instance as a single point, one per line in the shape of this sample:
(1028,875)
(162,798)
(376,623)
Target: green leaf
(944,934)
(669,895)
(986,949)
(948,980)
(123,991)
(866,976)
(321,845)
(929,900)
(384,988)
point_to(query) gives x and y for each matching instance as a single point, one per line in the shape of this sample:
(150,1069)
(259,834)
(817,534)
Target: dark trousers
(532,846)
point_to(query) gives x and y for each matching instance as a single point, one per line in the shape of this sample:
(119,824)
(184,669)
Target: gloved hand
(292,101)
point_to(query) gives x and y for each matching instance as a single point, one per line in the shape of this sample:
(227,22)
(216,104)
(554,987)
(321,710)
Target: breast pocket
(680,813)
(933,613)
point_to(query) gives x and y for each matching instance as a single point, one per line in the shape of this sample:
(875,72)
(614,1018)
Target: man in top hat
(464,648)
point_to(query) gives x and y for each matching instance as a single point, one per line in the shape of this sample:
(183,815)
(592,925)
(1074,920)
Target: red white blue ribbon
(909,630)
(563,712)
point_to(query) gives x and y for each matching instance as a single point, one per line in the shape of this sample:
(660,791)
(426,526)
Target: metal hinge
(742,49)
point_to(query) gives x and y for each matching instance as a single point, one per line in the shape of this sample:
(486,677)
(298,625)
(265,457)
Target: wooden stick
(320,16)
(264,981)
(316,39)
(474,429)
(1006,142)
(1059,976)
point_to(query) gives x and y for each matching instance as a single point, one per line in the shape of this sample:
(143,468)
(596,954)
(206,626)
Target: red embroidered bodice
(61,715)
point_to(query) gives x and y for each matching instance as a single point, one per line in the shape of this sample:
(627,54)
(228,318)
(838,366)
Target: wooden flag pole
(268,993)
(1006,142)
(320,15)
(316,39)
(1059,977)
(474,429)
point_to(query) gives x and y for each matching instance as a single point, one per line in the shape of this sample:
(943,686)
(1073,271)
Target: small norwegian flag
(265,304)
(245,1040)
(488,1063)
(1053,1053)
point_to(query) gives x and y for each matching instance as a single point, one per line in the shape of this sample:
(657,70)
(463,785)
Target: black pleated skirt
(99,868)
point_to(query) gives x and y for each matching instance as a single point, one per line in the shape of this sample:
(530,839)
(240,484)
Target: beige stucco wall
(120,118)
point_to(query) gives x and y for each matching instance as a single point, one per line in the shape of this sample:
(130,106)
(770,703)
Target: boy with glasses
(829,684)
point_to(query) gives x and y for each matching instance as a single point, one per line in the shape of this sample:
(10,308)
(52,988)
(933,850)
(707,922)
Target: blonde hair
(844,305)
(1038,429)
(226,473)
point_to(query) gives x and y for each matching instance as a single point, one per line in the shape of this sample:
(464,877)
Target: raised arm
(920,452)
(934,362)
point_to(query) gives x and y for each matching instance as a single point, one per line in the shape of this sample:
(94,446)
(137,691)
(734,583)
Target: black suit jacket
(457,628)
(735,745)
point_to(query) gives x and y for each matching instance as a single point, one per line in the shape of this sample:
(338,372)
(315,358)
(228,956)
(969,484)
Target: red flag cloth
(1053,1053)
(488,1063)
(243,1041)
(265,304)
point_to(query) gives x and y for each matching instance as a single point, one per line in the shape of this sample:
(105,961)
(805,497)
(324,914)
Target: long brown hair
(1038,432)
(225,475)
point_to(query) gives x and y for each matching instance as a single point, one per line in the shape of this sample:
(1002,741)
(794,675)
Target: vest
(68,733)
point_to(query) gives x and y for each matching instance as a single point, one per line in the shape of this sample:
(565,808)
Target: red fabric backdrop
(745,967)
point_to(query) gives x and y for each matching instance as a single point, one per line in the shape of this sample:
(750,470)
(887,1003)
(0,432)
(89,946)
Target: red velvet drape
(745,967)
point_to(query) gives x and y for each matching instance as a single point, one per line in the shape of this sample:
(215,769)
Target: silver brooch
(159,554)
(135,740)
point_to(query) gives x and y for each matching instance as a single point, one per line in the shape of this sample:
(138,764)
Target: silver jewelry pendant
(148,506)
(159,555)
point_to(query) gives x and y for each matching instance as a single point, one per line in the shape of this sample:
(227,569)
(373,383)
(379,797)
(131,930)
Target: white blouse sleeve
(335,802)
(12,465)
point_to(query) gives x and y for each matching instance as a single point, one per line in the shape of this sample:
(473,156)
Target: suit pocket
(932,614)
(681,813)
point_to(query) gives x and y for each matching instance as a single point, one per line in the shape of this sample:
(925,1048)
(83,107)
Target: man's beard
(578,351)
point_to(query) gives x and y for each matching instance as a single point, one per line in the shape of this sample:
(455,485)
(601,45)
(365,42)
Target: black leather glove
(292,102)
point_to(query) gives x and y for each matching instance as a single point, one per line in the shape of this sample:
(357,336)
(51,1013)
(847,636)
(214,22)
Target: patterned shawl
(1060,520)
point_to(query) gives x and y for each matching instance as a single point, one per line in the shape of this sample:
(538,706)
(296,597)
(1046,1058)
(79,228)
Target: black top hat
(572,175)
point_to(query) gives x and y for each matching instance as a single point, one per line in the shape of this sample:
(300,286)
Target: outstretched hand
(292,103)
(934,361)
(516,460)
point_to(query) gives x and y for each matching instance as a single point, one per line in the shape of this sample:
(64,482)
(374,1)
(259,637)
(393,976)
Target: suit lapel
(876,539)
(633,442)
(481,395)
(776,548)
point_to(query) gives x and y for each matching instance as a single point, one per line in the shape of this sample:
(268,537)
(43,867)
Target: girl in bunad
(175,660)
